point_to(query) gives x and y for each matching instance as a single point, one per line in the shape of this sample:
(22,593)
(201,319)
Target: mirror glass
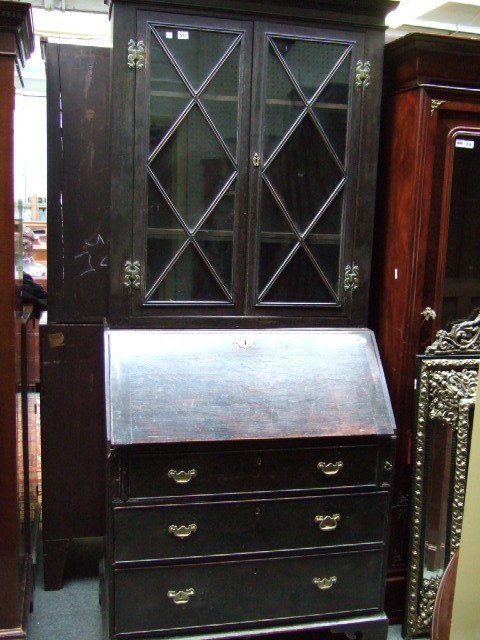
(461,288)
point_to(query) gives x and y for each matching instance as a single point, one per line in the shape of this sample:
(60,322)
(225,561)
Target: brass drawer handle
(328,523)
(183,531)
(182,477)
(324,583)
(181,597)
(330,468)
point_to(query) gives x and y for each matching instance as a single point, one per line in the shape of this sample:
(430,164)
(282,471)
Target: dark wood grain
(184,386)
(78,116)
(72,406)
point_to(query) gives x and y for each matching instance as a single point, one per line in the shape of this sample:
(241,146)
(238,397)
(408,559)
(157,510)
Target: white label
(182,35)
(169,35)
(464,144)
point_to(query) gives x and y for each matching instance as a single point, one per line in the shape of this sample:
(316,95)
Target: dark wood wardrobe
(426,267)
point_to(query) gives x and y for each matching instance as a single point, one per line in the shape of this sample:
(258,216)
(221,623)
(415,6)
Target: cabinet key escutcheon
(328,523)
(324,583)
(330,468)
(182,531)
(181,597)
(182,477)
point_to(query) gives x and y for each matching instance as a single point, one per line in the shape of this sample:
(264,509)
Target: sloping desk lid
(222,385)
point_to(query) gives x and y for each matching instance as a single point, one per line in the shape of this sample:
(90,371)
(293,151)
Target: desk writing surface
(229,385)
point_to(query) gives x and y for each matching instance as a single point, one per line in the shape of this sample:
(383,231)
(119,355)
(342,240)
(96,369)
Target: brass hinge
(362,74)
(435,104)
(351,277)
(136,54)
(132,274)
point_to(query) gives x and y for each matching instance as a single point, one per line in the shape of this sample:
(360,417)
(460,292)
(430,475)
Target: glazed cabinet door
(241,200)
(452,279)
(192,105)
(303,157)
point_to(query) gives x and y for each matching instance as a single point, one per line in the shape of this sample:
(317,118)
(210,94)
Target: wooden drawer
(246,591)
(156,475)
(220,528)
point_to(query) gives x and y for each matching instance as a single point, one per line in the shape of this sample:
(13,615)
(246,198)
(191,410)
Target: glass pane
(331,108)
(168,94)
(304,174)
(221,98)
(310,61)
(218,252)
(272,218)
(192,167)
(330,222)
(189,280)
(299,283)
(273,252)
(160,216)
(196,51)
(461,291)
(215,238)
(327,256)
(160,252)
(283,103)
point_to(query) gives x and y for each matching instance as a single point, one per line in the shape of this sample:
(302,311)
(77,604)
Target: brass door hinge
(351,277)
(136,54)
(132,274)
(362,74)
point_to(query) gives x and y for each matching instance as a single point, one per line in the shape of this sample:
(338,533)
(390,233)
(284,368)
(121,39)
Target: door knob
(428,313)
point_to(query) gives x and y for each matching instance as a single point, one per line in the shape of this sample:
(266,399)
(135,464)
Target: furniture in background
(248,483)
(426,267)
(16,548)
(72,388)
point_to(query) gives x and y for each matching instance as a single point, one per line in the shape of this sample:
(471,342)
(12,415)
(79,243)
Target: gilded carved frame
(446,385)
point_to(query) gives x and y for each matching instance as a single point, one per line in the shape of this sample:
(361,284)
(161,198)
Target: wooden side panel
(16,44)
(9,526)
(78,96)
(403,208)
(72,409)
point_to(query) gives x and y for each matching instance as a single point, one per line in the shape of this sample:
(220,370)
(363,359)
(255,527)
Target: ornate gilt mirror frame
(446,392)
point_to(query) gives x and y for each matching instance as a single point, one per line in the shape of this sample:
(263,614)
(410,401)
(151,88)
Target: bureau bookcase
(249,476)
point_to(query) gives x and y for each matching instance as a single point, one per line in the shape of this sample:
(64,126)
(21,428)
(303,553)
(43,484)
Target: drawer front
(151,475)
(220,528)
(198,595)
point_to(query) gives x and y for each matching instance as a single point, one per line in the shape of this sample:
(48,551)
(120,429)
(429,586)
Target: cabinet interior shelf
(266,236)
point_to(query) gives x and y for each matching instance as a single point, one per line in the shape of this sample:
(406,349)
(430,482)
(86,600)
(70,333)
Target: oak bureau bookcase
(250,440)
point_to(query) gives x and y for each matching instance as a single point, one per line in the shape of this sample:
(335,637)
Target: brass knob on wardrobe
(428,313)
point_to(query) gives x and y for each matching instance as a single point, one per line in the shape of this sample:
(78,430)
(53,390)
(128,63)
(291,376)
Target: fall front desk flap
(183,385)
